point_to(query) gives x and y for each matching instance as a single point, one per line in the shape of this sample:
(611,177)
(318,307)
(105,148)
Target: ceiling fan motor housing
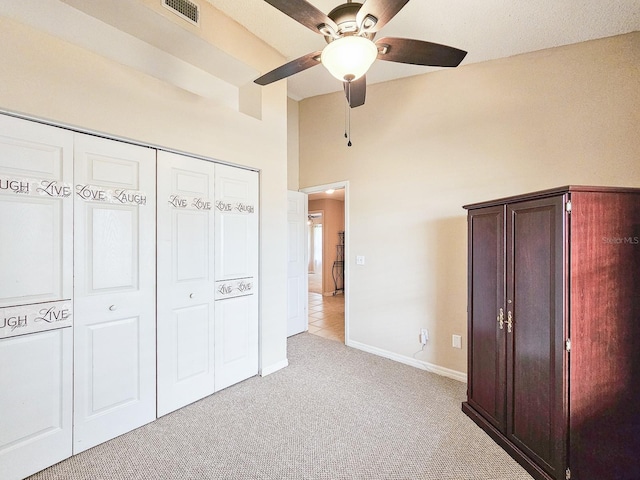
(345,17)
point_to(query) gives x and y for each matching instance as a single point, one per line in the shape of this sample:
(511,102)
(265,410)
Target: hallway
(326,316)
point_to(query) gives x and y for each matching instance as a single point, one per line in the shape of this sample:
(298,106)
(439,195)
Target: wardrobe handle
(192,295)
(509,321)
(112,308)
(501,319)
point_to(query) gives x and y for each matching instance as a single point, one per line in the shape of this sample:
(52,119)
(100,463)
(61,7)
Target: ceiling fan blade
(418,52)
(382,10)
(356,91)
(294,66)
(304,13)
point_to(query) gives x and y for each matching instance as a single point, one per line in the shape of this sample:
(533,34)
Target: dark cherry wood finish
(290,68)
(535,347)
(418,52)
(304,13)
(487,361)
(567,276)
(605,335)
(383,10)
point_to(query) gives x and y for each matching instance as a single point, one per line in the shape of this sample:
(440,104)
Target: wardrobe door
(115,251)
(536,392)
(487,315)
(236,266)
(36,283)
(185,281)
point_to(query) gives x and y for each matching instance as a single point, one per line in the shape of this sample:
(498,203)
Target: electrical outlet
(456,341)
(424,336)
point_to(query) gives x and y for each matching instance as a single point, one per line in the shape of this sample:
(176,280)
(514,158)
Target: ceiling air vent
(185,9)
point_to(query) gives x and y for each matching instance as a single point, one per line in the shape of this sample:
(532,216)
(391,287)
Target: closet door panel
(36,175)
(186,340)
(113,248)
(114,344)
(235,239)
(236,216)
(36,279)
(237,334)
(535,269)
(487,314)
(32,270)
(236,223)
(35,403)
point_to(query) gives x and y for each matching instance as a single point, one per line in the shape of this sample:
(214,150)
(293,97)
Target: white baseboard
(268,370)
(430,367)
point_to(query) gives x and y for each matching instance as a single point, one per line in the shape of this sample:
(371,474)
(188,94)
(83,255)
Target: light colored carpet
(334,413)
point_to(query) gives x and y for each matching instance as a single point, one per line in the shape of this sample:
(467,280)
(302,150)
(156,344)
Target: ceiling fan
(349,30)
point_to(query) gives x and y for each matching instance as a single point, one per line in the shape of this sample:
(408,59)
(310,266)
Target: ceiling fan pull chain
(346,106)
(349,142)
(349,113)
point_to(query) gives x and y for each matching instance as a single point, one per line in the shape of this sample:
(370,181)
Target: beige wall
(293,136)
(332,223)
(50,79)
(426,145)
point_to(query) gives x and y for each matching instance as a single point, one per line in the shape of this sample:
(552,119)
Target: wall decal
(234,288)
(238,207)
(36,317)
(192,203)
(97,194)
(28,186)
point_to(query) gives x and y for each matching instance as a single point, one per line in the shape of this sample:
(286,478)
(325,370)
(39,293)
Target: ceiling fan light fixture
(348,58)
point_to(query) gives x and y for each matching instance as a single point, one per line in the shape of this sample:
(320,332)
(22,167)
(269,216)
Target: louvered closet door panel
(36,281)
(185,281)
(114,342)
(236,233)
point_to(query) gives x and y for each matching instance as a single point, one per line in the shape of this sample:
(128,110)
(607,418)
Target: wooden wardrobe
(554,330)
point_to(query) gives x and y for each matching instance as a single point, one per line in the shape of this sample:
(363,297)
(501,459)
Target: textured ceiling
(487,29)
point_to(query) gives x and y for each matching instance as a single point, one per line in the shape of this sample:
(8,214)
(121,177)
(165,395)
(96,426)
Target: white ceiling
(487,29)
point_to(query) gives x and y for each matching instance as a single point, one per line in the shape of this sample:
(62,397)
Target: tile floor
(326,316)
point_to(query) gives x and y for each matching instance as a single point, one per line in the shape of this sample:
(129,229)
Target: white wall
(51,79)
(426,145)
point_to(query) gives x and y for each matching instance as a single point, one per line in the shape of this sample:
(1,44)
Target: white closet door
(36,282)
(185,281)
(114,341)
(236,233)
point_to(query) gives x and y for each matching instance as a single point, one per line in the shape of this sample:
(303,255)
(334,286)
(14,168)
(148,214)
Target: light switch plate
(359,259)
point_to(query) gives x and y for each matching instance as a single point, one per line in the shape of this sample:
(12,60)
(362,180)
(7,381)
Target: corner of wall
(293,145)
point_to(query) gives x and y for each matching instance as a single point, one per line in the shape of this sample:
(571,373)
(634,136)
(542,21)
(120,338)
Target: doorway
(327,260)
(314,250)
